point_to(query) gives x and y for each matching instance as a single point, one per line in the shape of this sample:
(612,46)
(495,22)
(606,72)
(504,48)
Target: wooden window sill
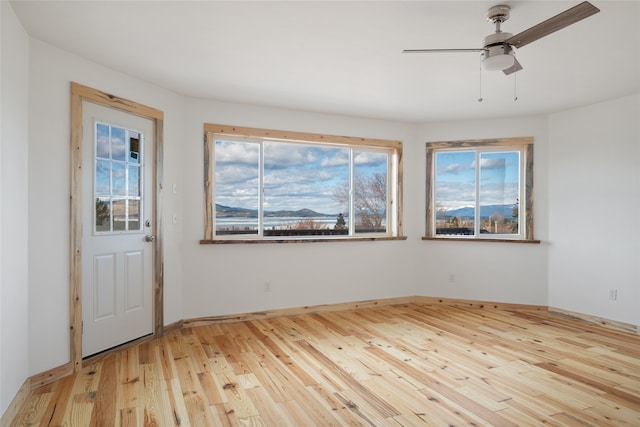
(471,239)
(344,239)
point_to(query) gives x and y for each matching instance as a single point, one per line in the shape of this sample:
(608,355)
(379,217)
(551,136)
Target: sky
(296,176)
(456,178)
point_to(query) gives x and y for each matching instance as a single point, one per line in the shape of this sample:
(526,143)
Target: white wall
(502,272)
(14,272)
(51,72)
(225,279)
(595,209)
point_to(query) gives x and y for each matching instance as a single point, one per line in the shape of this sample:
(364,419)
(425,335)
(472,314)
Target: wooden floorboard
(395,365)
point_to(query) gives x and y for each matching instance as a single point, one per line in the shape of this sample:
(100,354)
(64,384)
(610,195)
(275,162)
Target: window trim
(472,144)
(395,205)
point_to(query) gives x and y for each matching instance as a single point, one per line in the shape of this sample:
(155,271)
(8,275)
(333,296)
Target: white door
(117,241)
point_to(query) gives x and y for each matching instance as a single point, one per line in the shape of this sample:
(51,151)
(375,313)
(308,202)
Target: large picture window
(480,189)
(270,185)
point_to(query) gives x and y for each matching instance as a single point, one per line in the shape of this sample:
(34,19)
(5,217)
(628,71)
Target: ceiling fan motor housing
(499,13)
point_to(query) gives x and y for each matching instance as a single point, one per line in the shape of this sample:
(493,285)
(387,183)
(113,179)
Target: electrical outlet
(452,277)
(267,286)
(613,294)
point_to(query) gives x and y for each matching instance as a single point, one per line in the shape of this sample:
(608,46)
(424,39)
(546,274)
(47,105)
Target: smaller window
(480,189)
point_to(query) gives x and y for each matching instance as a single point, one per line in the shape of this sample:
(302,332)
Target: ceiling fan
(497,52)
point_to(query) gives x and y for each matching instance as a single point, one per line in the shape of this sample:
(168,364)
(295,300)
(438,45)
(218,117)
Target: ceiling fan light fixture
(498,57)
(498,62)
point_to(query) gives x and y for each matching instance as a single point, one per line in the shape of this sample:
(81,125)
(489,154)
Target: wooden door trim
(80,93)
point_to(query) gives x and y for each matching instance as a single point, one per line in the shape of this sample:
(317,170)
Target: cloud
(370,158)
(340,158)
(239,153)
(454,195)
(285,155)
(453,169)
(490,163)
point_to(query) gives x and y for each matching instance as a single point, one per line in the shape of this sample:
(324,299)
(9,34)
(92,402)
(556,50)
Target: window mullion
(391,216)
(476,219)
(261,191)
(352,220)
(522,174)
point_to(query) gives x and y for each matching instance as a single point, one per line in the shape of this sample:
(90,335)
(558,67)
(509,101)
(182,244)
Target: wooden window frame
(210,132)
(526,202)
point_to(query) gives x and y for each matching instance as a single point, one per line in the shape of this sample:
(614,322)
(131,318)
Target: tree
(308,224)
(341,224)
(369,200)
(515,212)
(102,212)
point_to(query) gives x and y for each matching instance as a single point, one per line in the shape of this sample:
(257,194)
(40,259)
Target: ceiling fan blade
(515,67)
(551,25)
(441,50)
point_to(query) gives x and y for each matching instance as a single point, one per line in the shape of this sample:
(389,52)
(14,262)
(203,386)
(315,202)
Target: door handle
(149,238)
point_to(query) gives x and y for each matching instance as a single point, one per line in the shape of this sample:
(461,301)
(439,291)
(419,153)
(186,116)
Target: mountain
(228,212)
(485,211)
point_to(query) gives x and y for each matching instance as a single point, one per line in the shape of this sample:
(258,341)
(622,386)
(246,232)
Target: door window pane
(134,148)
(103,215)
(134,180)
(118,143)
(118,179)
(103,145)
(133,215)
(103,178)
(119,215)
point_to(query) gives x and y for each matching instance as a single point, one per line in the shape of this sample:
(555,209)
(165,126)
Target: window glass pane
(455,192)
(134,147)
(499,192)
(236,187)
(370,191)
(103,173)
(119,215)
(102,141)
(118,179)
(103,215)
(134,180)
(133,215)
(300,186)
(118,146)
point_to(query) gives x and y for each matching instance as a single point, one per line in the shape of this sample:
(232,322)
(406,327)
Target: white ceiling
(345,57)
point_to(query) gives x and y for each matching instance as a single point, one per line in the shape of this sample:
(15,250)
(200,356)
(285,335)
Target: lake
(271,222)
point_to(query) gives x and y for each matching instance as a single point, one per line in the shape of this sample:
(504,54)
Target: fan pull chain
(515,87)
(480,81)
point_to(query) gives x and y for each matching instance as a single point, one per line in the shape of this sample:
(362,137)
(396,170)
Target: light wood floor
(399,365)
